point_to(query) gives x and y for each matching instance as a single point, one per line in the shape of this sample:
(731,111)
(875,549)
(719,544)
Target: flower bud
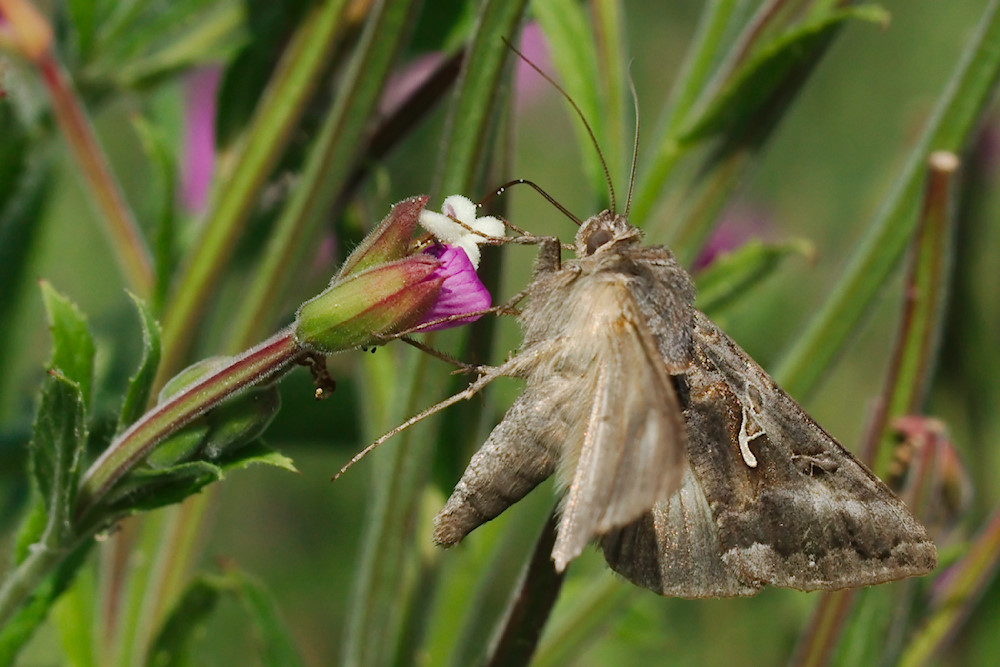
(387,242)
(367,305)
(25,28)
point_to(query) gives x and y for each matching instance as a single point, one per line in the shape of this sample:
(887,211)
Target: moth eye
(597,239)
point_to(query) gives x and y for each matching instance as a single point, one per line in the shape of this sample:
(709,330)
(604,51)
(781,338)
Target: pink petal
(461,292)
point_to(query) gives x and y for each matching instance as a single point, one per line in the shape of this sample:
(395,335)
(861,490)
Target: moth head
(603,232)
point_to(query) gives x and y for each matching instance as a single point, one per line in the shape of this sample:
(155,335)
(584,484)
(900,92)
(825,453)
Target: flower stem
(127,241)
(262,363)
(24,579)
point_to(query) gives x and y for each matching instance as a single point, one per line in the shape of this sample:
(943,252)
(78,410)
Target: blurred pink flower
(527,82)
(198,163)
(406,80)
(739,224)
(461,291)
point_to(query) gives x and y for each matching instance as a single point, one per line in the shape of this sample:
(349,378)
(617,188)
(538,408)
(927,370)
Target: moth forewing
(628,450)
(810,515)
(789,507)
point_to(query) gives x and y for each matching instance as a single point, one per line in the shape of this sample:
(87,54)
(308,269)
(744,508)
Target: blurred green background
(821,178)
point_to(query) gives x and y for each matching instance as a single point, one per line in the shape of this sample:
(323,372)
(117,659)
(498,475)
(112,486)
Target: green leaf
(730,276)
(172,646)
(147,489)
(574,54)
(957,111)
(478,99)
(738,105)
(257,453)
(140,385)
(276,116)
(59,435)
(72,345)
(138,47)
(164,165)
(277,648)
(332,158)
(73,616)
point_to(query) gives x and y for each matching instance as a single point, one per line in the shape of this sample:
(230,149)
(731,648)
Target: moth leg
(462,366)
(489,374)
(550,255)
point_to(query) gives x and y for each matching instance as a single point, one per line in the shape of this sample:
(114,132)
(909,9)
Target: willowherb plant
(322,114)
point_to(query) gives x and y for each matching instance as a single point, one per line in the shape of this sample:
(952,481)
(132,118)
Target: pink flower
(461,292)
(738,225)
(199,137)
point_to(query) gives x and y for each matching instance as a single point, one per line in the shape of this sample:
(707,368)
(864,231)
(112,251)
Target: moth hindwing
(698,474)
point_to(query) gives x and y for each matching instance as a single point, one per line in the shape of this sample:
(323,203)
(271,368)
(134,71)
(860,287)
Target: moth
(696,473)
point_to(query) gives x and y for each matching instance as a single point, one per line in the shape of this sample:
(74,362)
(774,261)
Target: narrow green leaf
(146,489)
(164,164)
(58,438)
(277,647)
(83,16)
(574,55)
(73,616)
(140,385)
(22,199)
(72,345)
(958,109)
(716,21)
(753,86)
(257,453)
(161,38)
(289,91)
(730,277)
(172,646)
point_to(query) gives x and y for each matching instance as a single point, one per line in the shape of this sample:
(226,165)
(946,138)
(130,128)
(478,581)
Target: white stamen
(468,237)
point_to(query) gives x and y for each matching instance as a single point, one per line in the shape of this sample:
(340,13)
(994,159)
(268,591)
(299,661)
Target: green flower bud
(387,242)
(365,306)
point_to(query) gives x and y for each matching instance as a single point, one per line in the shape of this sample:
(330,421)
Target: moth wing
(674,549)
(521,452)
(631,434)
(806,514)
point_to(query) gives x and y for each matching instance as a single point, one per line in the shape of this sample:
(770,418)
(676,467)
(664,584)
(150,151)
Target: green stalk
(262,363)
(953,120)
(119,221)
(695,72)
(287,94)
(328,168)
(907,379)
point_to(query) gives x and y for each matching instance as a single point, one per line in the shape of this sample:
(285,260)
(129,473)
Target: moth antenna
(549,198)
(635,141)
(467,393)
(579,113)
